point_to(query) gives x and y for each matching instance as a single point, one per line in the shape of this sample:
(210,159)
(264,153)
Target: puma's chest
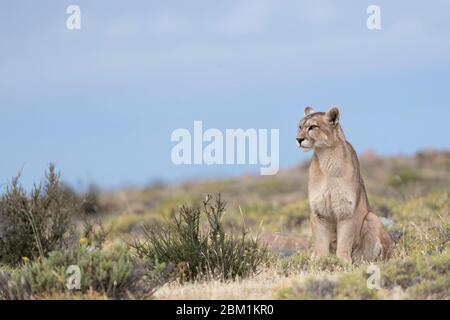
(332,198)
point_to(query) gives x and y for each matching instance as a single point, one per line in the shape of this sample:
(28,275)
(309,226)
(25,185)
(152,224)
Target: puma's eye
(312,127)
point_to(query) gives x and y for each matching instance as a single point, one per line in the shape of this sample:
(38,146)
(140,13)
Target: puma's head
(319,129)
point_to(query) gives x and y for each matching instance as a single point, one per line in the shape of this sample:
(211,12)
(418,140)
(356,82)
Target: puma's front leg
(345,238)
(323,232)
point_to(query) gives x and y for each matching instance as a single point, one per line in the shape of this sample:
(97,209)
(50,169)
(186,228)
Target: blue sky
(101,102)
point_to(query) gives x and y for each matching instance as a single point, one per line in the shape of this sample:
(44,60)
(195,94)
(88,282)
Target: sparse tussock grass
(404,175)
(423,239)
(130,223)
(295,213)
(427,208)
(417,277)
(348,286)
(419,268)
(415,270)
(303,262)
(207,254)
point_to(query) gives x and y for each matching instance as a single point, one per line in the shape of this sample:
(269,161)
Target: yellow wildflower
(83,241)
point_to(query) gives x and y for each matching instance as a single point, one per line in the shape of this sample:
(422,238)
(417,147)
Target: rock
(388,223)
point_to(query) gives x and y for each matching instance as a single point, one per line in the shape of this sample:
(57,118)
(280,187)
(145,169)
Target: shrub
(34,224)
(403,176)
(438,289)
(415,270)
(91,203)
(199,252)
(94,233)
(114,273)
(296,213)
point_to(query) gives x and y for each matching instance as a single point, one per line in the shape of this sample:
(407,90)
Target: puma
(341,218)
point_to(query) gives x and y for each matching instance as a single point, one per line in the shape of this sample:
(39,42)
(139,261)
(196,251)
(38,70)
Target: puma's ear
(333,115)
(308,110)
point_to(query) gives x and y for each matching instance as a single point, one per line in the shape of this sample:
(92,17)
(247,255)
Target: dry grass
(412,191)
(259,287)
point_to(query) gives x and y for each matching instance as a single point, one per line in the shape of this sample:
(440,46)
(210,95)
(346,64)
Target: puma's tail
(386,243)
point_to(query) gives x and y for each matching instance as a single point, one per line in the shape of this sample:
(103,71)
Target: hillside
(281,201)
(412,192)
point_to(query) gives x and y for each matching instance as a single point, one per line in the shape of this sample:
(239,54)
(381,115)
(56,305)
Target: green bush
(114,273)
(295,213)
(90,203)
(438,289)
(403,176)
(34,224)
(93,232)
(415,270)
(201,252)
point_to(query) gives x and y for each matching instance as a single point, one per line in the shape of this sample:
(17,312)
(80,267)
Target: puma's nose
(300,140)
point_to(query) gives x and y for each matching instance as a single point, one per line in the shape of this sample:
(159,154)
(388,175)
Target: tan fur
(341,219)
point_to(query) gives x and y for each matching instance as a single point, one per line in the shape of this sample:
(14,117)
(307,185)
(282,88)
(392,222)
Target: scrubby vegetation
(201,252)
(164,242)
(419,269)
(414,277)
(34,224)
(45,234)
(112,273)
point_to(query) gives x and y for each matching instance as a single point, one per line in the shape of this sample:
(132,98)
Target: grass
(403,176)
(416,277)
(211,253)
